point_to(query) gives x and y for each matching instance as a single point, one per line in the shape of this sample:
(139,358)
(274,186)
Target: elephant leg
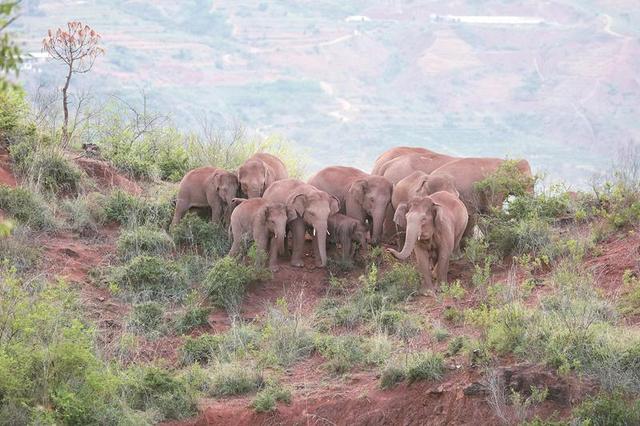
(181,208)
(442,267)
(298,230)
(235,246)
(273,255)
(423,258)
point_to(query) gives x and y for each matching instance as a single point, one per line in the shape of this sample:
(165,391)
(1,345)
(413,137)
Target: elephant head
(369,197)
(255,177)
(420,217)
(225,185)
(272,218)
(437,182)
(314,207)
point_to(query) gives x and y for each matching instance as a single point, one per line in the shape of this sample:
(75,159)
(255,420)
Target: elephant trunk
(280,241)
(378,219)
(321,238)
(409,242)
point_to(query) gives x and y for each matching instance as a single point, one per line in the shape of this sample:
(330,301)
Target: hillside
(557,85)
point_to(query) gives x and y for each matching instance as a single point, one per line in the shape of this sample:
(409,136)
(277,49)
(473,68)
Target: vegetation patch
(204,237)
(27,207)
(149,278)
(144,240)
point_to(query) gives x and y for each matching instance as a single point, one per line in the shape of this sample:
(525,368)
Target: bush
(506,180)
(144,240)
(154,388)
(266,399)
(129,210)
(82,215)
(147,318)
(399,282)
(48,169)
(201,349)
(13,109)
(26,207)
(608,409)
(517,237)
(391,376)
(230,379)
(226,283)
(47,357)
(17,251)
(425,366)
(192,318)
(208,238)
(149,277)
(342,352)
(285,336)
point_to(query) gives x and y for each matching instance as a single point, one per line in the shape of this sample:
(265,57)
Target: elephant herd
(427,200)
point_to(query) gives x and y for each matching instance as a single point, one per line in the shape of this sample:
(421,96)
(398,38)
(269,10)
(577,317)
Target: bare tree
(77,47)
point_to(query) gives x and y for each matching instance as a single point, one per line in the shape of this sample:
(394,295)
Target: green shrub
(13,109)
(231,378)
(391,376)
(208,238)
(50,170)
(608,409)
(26,207)
(154,388)
(144,240)
(399,282)
(524,236)
(453,314)
(82,216)
(266,399)
(193,317)
(47,357)
(342,352)
(425,366)
(226,283)
(506,180)
(149,277)
(147,318)
(440,334)
(18,251)
(201,349)
(129,210)
(456,344)
(286,336)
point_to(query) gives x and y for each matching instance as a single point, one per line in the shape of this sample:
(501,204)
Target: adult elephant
(207,187)
(397,152)
(435,225)
(258,172)
(312,207)
(362,195)
(400,167)
(467,172)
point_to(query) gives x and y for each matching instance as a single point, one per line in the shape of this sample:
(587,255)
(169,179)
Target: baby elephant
(261,221)
(347,230)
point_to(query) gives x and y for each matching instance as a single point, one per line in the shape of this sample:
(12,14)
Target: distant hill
(556,82)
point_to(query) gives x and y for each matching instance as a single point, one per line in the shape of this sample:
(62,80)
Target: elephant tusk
(314,232)
(275,235)
(419,237)
(328,233)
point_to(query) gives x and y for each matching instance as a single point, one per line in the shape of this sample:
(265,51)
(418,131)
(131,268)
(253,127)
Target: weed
(205,237)
(26,206)
(267,398)
(150,277)
(425,366)
(391,376)
(231,378)
(226,282)
(143,240)
(147,318)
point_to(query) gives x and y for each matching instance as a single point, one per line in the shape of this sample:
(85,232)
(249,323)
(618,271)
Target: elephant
(416,184)
(397,152)
(467,172)
(435,225)
(362,195)
(207,187)
(258,172)
(312,207)
(400,167)
(263,222)
(346,231)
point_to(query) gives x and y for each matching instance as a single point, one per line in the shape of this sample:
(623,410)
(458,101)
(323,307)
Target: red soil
(6,176)
(106,176)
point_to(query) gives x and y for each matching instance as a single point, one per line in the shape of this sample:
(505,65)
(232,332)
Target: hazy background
(557,82)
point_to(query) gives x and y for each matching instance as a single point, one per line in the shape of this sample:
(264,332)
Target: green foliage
(19,251)
(193,317)
(201,349)
(267,398)
(83,214)
(341,352)
(46,167)
(452,314)
(13,109)
(425,366)
(608,409)
(232,378)
(26,207)
(630,300)
(47,359)
(207,238)
(9,51)
(453,290)
(456,344)
(399,282)
(238,341)
(126,209)
(147,318)
(226,282)
(286,337)
(506,180)
(149,277)
(518,236)
(144,240)
(391,376)
(152,388)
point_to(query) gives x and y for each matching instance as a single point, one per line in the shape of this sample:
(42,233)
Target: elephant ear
(269,177)
(291,214)
(298,202)
(442,224)
(422,188)
(358,190)
(260,220)
(334,205)
(399,217)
